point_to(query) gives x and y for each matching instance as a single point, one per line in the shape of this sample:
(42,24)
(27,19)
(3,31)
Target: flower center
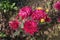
(39,8)
(42,20)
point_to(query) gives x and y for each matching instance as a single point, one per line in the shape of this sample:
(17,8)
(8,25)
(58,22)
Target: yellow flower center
(39,8)
(47,10)
(42,20)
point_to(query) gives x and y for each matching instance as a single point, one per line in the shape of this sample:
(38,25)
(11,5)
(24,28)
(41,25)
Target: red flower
(48,19)
(14,24)
(30,27)
(25,12)
(57,5)
(39,14)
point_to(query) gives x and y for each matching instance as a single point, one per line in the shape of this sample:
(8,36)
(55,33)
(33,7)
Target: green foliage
(7,6)
(2,34)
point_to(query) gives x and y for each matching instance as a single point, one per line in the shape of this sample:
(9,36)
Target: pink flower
(25,12)
(39,14)
(14,24)
(30,27)
(57,5)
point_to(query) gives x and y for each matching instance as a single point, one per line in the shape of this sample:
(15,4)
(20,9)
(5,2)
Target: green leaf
(4,6)
(0,4)
(12,5)
(5,11)
(15,8)
(2,35)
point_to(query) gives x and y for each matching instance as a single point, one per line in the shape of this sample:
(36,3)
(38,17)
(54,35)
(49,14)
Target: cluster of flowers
(31,19)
